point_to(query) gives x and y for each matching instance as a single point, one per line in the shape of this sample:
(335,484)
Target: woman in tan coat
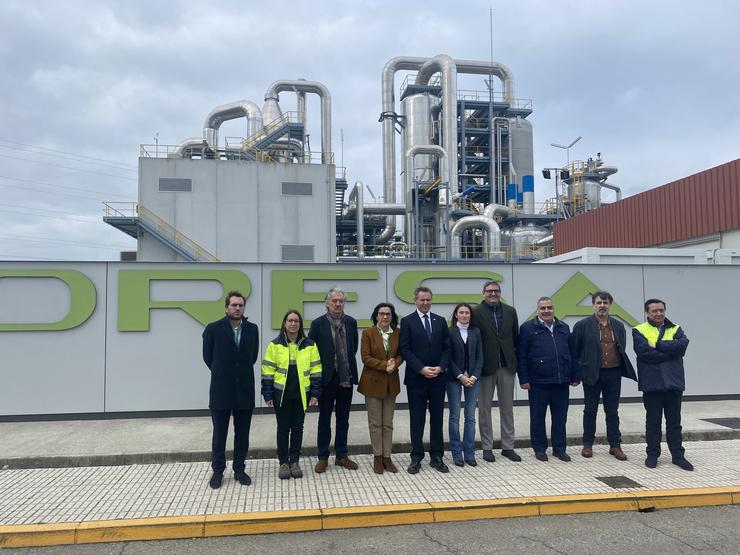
(379,382)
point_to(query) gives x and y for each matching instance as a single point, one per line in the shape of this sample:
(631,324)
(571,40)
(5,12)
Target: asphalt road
(706,530)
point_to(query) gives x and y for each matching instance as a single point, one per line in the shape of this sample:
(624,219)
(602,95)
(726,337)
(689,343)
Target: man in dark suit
(598,343)
(335,334)
(499,328)
(230,349)
(425,345)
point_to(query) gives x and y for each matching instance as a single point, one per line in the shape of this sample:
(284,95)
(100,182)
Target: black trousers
(338,400)
(542,396)
(290,416)
(608,386)
(242,422)
(657,404)
(430,394)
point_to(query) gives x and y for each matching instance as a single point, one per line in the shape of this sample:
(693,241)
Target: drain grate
(733,423)
(618,482)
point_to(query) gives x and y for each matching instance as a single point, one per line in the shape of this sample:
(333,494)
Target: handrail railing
(250,142)
(178,238)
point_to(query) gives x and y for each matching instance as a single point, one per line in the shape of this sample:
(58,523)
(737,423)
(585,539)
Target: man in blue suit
(425,346)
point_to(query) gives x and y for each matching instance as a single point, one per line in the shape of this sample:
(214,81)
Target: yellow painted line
(694,497)
(484,509)
(586,503)
(355,517)
(37,535)
(166,528)
(263,523)
(378,515)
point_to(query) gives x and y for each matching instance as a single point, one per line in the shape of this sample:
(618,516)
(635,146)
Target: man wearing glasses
(499,328)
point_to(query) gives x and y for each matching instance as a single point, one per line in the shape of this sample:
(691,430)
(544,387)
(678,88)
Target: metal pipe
(493,210)
(545,241)
(388,115)
(226,112)
(380,208)
(314,87)
(360,219)
(184,149)
(491,235)
(613,188)
(446,65)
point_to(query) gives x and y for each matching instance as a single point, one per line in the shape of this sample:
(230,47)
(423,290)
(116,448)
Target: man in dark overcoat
(230,350)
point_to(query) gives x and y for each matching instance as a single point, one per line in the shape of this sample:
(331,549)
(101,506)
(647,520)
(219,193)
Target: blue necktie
(427,326)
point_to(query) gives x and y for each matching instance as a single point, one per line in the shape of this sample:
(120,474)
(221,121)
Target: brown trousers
(380,422)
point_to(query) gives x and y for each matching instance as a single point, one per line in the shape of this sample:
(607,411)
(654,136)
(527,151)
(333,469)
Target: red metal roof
(700,204)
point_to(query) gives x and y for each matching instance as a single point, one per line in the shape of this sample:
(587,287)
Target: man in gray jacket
(499,328)
(598,343)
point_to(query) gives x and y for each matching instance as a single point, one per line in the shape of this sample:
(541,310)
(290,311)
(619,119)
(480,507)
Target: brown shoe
(378,464)
(587,451)
(617,453)
(388,465)
(347,463)
(321,466)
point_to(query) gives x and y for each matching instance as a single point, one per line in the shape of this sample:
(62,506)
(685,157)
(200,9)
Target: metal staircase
(132,218)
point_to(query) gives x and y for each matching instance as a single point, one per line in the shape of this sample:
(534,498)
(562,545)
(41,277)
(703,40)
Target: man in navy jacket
(230,349)
(425,346)
(335,335)
(546,368)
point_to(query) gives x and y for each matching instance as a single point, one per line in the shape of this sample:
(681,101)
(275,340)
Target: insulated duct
(226,112)
(491,235)
(300,86)
(184,149)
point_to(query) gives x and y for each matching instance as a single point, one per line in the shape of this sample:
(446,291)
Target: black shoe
(565,457)
(243,478)
(216,480)
(439,465)
(651,461)
(414,467)
(471,462)
(541,457)
(683,463)
(511,455)
(459,462)
(488,456)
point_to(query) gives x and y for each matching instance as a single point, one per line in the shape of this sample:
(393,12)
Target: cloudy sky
(652,85)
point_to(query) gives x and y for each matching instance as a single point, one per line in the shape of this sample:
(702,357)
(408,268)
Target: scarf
(341,360)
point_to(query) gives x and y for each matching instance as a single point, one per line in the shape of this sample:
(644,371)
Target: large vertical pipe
(309,87)
(360,215)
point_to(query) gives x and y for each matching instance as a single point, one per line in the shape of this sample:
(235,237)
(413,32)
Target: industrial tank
(522,160)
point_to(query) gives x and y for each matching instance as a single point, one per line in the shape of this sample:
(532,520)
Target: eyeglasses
(493,291)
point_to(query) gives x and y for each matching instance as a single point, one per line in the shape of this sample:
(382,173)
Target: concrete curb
(122,459)
(36,535)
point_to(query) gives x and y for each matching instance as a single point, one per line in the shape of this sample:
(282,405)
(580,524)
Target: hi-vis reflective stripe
(315,362)
(307,373)
(278,385)
(269,363)
(651,333)
(282,370)
(269,377)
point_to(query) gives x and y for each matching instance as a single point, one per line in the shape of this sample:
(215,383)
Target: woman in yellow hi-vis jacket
(291,381)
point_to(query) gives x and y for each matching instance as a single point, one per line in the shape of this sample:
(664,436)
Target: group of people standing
(478,356)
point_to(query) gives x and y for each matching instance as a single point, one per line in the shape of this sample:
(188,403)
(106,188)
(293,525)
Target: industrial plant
(458,181)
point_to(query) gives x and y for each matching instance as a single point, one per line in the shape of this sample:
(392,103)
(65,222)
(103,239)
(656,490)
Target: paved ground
(149,440)
(54,489)
(33,496)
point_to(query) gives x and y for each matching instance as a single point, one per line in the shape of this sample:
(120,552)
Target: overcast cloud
(653,86)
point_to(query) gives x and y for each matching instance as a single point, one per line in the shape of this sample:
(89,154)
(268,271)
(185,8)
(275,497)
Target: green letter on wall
(134,302)
(83,299)
(410,280)
(288,292)
(567,300)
